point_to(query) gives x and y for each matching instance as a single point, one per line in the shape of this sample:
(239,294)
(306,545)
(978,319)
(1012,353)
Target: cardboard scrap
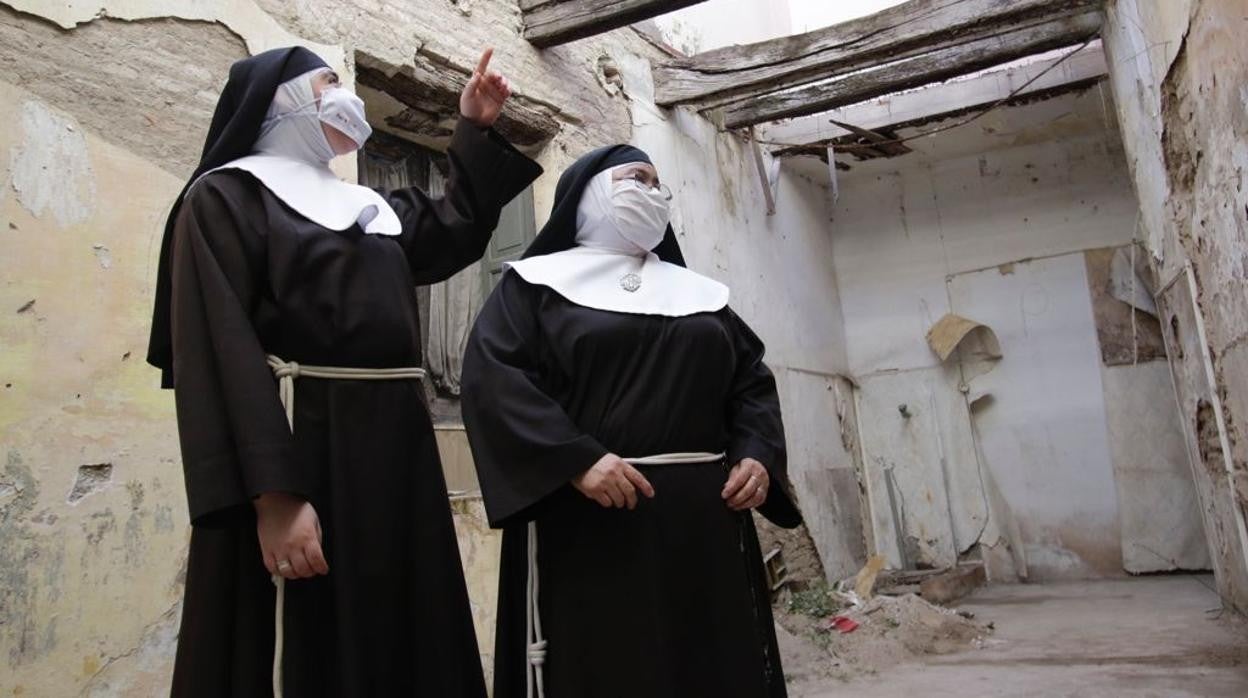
(953,332)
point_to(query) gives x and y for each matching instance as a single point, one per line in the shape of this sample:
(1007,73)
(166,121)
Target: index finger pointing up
(484,63)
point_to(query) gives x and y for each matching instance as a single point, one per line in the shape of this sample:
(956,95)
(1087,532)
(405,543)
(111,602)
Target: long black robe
(667,600)
(252,277)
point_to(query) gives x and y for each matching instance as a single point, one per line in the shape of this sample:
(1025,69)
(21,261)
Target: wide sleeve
(236,442)
(524,444)
(755,428)
(442,236)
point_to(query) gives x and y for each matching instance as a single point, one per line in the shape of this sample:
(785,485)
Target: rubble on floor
(825,632)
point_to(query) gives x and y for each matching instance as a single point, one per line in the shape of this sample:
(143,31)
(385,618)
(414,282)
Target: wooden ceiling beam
(906,30)
(917,71)
(552,22)
(936,102)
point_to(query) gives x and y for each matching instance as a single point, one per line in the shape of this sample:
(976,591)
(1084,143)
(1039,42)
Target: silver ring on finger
(283,565)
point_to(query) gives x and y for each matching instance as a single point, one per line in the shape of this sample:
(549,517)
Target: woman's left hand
(747,485)
(482,99)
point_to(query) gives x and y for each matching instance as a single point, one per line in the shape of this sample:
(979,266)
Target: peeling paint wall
(108,102)
(92,515)
(990,221)
(1178,71)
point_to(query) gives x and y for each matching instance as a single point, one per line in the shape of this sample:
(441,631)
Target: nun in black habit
(623,426)
(272,268)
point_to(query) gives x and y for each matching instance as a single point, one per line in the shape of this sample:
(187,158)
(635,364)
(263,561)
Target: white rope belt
(286,373)
(533,619)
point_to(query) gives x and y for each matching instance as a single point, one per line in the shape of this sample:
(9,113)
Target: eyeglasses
(641,179)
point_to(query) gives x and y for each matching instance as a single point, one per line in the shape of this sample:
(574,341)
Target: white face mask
(641,213)
(343,110)
(623,216)
(292,128)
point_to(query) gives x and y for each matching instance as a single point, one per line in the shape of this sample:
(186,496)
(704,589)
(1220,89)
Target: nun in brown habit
(624,425)
(286,324)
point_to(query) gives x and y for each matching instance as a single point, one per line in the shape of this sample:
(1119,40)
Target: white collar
(601,279)
(318,195)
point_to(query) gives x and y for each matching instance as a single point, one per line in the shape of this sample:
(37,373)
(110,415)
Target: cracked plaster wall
(1178,70)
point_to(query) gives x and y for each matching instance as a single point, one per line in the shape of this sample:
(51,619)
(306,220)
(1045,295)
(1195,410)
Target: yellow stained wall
(91,577)
(81,582)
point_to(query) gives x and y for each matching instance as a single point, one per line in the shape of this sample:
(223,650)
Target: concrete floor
(1134,637)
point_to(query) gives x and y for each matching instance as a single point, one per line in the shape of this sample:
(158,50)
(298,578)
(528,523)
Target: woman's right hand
(290,536)
(612,482)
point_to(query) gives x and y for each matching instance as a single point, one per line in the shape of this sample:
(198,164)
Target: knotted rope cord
(286,373)
(536,649)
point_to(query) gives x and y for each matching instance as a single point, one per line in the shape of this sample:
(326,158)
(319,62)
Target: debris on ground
(864,581)
(828,632)
(953,584)
(843,624)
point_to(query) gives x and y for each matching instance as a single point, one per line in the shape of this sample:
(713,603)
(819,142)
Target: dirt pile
(821,638)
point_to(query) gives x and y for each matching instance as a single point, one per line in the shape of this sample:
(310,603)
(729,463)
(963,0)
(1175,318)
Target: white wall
(989,221)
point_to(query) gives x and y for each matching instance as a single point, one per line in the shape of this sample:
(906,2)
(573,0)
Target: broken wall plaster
(243,17)
(81,567)
(1126,334)
(900,272)
(141,73)
(1204,440)
(1192,139)
(90,479)
(50,169)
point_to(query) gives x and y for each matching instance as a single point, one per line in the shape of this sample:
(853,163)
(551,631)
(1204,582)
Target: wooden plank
(552,22)
(937,102)
(886,146)
(916,71)
(434,95)
(905,30)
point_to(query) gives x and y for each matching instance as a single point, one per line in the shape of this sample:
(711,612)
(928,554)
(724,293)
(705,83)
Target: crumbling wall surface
(1178,72)
(92,516)
(142,75)
(988,221)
